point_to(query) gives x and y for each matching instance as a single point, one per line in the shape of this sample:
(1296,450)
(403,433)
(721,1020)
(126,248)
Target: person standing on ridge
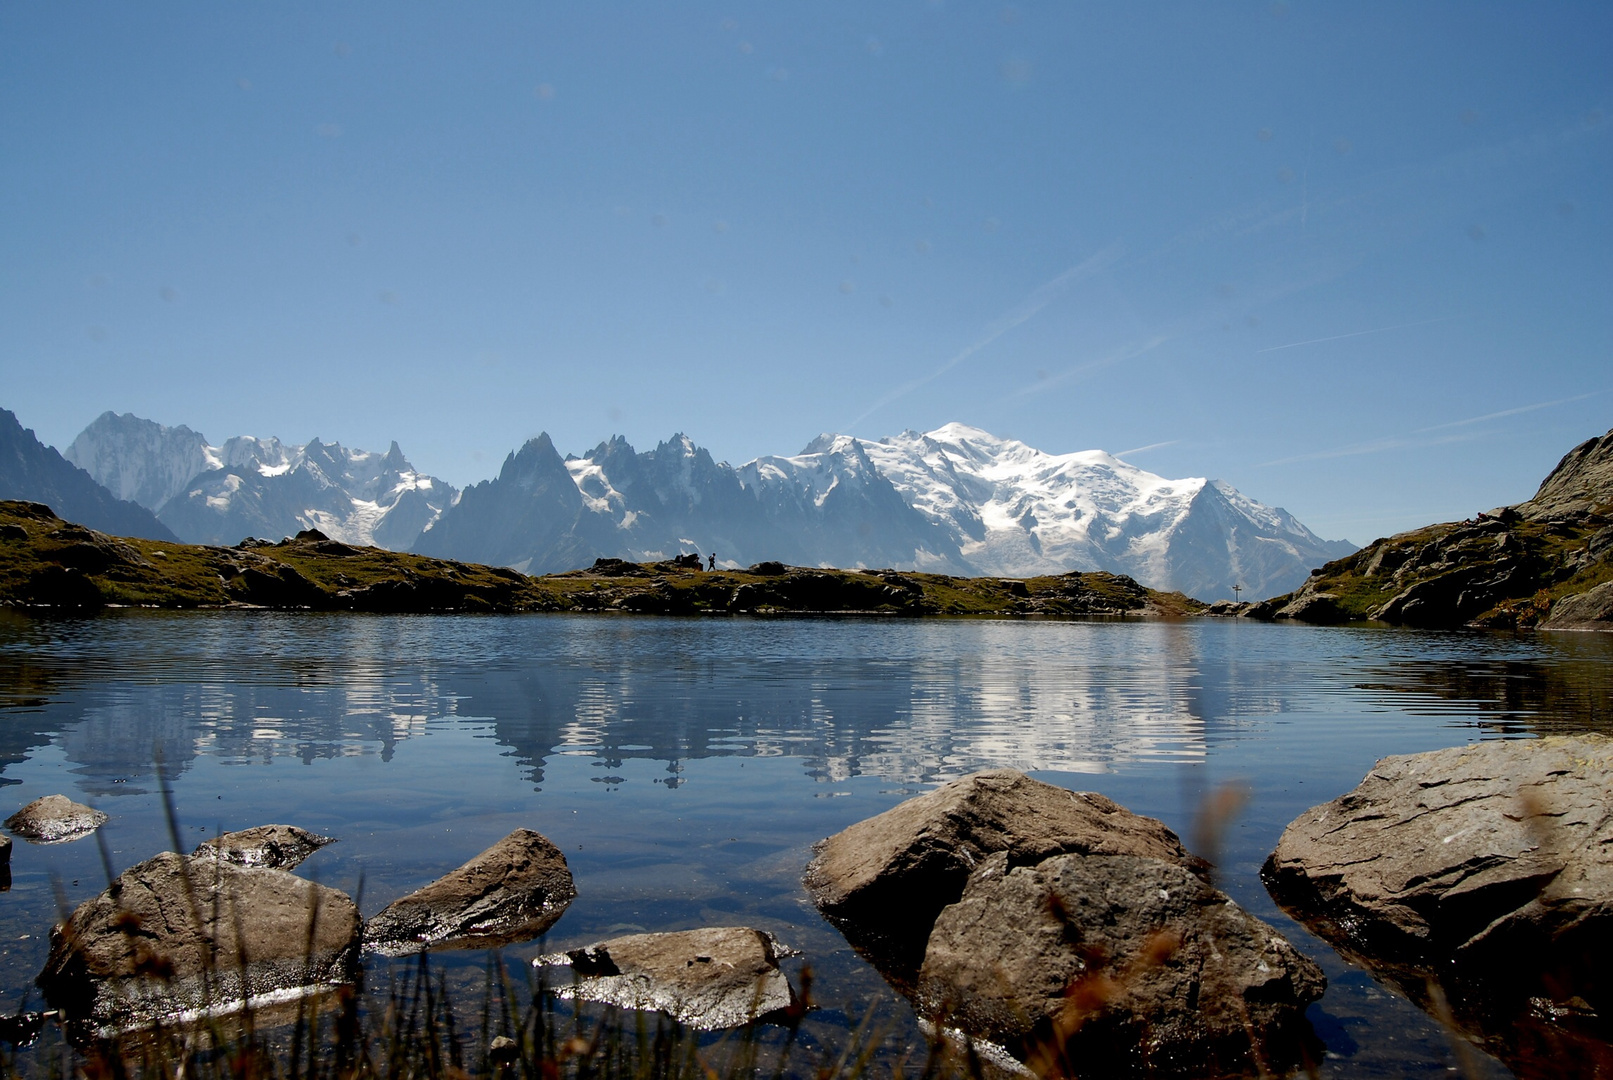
(712,565)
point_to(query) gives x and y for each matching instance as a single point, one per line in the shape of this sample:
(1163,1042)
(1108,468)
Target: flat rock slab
(1487,867)
(55,819)
(513,891)
(1590,610)
(711,978)
(882,882)
(1117,965)
(181,936)
(278,847)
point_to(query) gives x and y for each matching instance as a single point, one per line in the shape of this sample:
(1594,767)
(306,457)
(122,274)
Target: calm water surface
(686,766)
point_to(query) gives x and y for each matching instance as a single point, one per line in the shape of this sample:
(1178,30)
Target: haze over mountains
(954,500)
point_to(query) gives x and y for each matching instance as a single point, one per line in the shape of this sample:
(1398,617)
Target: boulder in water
(54,819)
(280,847)
(710,978)
(513,891)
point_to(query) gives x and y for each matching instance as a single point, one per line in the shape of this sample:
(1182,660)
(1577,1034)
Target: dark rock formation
(710,978)
(1115,965)
(513,891)
(1487,869)
(279,847)
(181,935)
(53,819)
(882,882)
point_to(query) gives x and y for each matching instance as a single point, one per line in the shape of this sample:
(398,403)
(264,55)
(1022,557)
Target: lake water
(686,766)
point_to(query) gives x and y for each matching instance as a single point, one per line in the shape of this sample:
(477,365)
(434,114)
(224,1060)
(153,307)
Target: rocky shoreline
(1047,931)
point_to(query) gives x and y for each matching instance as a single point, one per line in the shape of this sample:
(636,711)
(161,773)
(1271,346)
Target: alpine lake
(686,766)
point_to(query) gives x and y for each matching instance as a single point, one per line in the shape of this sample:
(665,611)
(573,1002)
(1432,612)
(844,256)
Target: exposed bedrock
(1057,924)
(184,935)
(714,977)
(1481,874)
(513,891)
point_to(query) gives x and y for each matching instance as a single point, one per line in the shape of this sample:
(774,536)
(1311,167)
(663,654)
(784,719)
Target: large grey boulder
(1487,869)
(513,891)
(179,936)
(55,819)
(1116,965)
(280,847)
(1589,610)
(710,978)
(883,881)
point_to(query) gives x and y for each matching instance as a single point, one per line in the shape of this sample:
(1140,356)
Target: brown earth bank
(1545,563)
(48,563)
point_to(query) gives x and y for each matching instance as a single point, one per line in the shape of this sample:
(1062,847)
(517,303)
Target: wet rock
(513,891)
(1589,610)
(54,819)
(177,936)
(1116,965)
(882,882)
(1312,607)
(1487,869)
(280,847)
(5,853)
(711,978)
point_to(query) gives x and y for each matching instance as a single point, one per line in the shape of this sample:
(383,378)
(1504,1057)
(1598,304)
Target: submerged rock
(1116,965)
(53,819)
(1065,930)
(513,891)
(1486,869)
(179,936)
(883,881)
(711,978)
(280,847)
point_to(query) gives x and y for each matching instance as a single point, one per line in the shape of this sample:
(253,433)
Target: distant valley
(956,500)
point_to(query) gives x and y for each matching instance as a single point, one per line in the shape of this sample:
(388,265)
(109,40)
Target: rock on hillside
(32,471)
(1514,567)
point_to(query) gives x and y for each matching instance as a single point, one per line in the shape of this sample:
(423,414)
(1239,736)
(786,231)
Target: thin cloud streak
(1378,446)
(1022,313)
(1131,352)
(1357,333)
(1510,412)
(1150,446)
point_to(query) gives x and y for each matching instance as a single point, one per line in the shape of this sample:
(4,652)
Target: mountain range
(34,472)
(956,500)
(259,487)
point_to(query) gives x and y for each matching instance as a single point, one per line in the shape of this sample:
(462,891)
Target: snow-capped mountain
(259,487)
(954,500)
(34,472)
(1014,510)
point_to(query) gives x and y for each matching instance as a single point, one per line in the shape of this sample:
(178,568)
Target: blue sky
(1354,259)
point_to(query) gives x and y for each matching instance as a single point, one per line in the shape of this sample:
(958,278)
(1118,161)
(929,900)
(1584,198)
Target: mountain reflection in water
(420,740)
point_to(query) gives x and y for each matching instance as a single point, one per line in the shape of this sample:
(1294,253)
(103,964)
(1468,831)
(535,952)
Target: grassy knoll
(47,562)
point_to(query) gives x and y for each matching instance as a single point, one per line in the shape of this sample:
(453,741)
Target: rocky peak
(1581,483)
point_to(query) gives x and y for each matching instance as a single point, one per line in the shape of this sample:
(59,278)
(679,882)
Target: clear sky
(1354,259)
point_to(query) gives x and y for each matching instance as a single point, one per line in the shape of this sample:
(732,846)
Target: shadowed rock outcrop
(709,978)
(883,881)
(53,819)
(1115,965)
(513,891)
(184,935)
(280,847)
(1487,869)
